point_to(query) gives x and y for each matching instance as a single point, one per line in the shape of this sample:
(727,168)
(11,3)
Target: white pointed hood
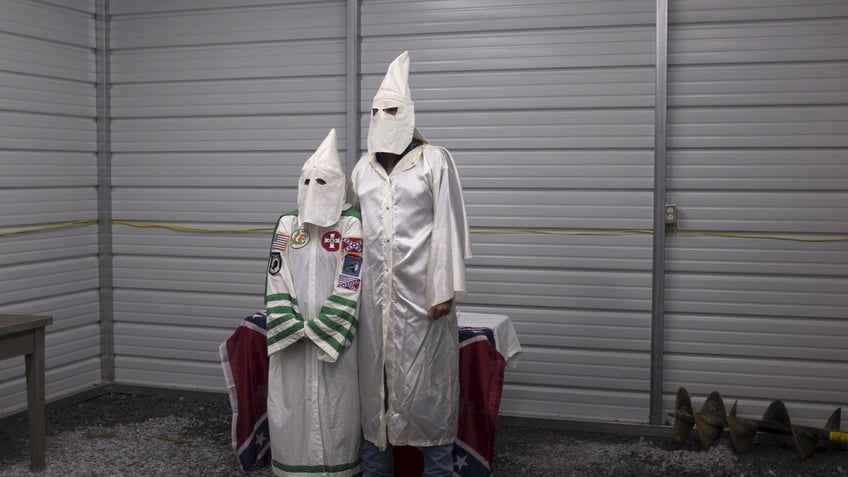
(321,190)
(392,132)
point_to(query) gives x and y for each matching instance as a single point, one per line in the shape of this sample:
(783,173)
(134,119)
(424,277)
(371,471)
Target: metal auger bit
(711,420)
(742,431)
(776,420)
(684,416)
(834,434)
(807,438)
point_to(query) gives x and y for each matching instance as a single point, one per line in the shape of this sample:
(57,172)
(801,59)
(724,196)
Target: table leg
(35,403)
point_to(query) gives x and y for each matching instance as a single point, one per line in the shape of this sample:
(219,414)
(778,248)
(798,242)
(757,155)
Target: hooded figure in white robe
(311,297)
(416,243)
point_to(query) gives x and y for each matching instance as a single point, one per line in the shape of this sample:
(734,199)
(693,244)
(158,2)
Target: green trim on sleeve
(340,313)
(278,321)
(337,327)
(283,310)
(286,333)
(324,336)
(342,301)
(281,296)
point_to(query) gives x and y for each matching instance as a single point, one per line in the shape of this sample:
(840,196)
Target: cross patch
(331,241)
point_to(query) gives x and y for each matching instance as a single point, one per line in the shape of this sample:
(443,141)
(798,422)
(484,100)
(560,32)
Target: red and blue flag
(481,368)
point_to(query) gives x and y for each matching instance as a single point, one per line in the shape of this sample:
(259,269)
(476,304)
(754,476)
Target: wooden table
(23,335)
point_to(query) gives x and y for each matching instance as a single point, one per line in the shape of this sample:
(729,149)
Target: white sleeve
(336,324)
(284,321)
(450,245)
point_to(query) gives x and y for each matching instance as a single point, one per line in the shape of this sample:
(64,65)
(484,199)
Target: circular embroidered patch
(299,238)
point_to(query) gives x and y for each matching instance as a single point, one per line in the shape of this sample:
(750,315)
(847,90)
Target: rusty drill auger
(712,419)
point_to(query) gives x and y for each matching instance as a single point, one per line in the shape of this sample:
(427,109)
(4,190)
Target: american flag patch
(352,245)
(349,283)
(281,241)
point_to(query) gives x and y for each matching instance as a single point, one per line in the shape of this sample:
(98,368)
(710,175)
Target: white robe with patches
(311,298)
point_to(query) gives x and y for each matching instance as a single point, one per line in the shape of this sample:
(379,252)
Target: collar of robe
(407,159)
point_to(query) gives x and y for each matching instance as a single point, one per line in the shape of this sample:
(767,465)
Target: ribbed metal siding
(758,143)
(548,110)
(215,107)
(48,164)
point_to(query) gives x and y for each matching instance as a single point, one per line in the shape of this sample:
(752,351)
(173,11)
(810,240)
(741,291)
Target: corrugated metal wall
(547,107)
(758,143)
(548,110)
(49,175)
(215,106)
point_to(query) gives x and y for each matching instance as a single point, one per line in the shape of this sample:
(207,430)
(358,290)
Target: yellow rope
(746,235)
(43,228)
(184,228)
(513,230)
(482,230)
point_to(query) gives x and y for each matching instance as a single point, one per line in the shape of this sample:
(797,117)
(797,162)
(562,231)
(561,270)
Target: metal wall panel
(215,107)
(49,176)
(758,143)
(547,108)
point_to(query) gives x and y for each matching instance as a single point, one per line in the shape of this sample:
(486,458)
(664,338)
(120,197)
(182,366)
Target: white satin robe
(311,297)
(416,243)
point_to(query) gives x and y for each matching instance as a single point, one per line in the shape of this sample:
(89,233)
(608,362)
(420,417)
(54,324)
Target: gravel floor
(133,435)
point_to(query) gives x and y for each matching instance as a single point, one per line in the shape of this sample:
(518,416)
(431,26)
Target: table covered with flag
(488,344)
